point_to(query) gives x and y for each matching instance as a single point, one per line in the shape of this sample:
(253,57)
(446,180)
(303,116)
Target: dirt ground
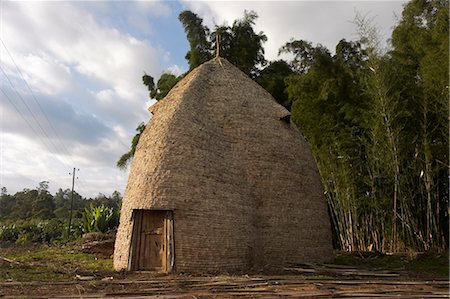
(147,285)
(81,271)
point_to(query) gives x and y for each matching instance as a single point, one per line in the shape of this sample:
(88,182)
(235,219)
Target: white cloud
(86,74)
(45,74)
(175,70)
(24,165)
(105,96)
(324,22)
(18,158)
(74,39)
(48,166)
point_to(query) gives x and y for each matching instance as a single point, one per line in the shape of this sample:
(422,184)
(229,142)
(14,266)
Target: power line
(34,97)
(33,130)
(24,118)
(28,108)
(56,151)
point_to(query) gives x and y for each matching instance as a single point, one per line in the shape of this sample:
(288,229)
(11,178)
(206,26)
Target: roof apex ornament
(218,49)
(217,44)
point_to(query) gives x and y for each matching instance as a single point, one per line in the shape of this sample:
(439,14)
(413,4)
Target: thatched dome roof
(241,180)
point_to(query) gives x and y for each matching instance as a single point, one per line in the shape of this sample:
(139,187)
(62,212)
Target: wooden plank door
(152,241)
(170,250)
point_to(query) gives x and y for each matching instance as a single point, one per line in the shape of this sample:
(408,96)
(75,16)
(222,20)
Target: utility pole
(71,204)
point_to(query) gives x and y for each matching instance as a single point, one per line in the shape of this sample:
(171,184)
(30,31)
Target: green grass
(433,265)
(382,261)
(51,264)
(62,263)
(420,265)
(29,274)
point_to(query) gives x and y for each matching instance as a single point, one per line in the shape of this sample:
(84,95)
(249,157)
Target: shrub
(33,231)
(99,219)
(9,233)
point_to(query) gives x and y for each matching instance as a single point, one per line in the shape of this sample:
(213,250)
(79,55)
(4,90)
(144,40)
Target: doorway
(152,241)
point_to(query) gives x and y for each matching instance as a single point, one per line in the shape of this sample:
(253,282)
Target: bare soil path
(180,286)
(71,272)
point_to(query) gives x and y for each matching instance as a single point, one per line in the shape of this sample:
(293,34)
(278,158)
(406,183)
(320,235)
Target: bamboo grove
(377,122)
(376,119)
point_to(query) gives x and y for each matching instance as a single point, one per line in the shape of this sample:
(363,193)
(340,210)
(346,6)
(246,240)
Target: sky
(71,94)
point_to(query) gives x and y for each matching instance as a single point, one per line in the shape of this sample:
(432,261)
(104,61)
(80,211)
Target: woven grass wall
(243,185)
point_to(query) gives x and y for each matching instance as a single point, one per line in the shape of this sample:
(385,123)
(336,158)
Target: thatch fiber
(239,177)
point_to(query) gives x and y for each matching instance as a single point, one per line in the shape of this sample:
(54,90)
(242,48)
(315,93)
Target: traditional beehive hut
(221,181)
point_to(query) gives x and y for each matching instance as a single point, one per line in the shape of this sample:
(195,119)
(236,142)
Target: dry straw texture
(245,190)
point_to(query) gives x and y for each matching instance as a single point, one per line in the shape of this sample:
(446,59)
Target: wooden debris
(84,278)
(8,262)
(277,286)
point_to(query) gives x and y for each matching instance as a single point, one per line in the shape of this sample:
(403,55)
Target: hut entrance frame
(152,245)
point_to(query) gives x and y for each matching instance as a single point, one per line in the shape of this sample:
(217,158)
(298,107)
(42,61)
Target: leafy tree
(198,36)
(126,158)
(238,43)
(327,101)
(43,205)
(61,208)
(272,78)
(62,201)
(22,203)
(148,81)
(304,53)
(420,50)
(241,45)
(164,85)
(115,200)
(377,123)
(6,203)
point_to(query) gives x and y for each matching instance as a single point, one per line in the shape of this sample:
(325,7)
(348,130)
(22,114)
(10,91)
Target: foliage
(164,85)
(198,37)
(22,225)
(421,53)
(32,231)
(99,219)
(126,158)
(237,43)
(9,233)
(272,78)
(305,55)
(377,124)
(240,45)
(43,205)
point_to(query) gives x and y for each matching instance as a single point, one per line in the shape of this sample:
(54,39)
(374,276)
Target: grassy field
(66,263)
(416,265)
(56,263)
